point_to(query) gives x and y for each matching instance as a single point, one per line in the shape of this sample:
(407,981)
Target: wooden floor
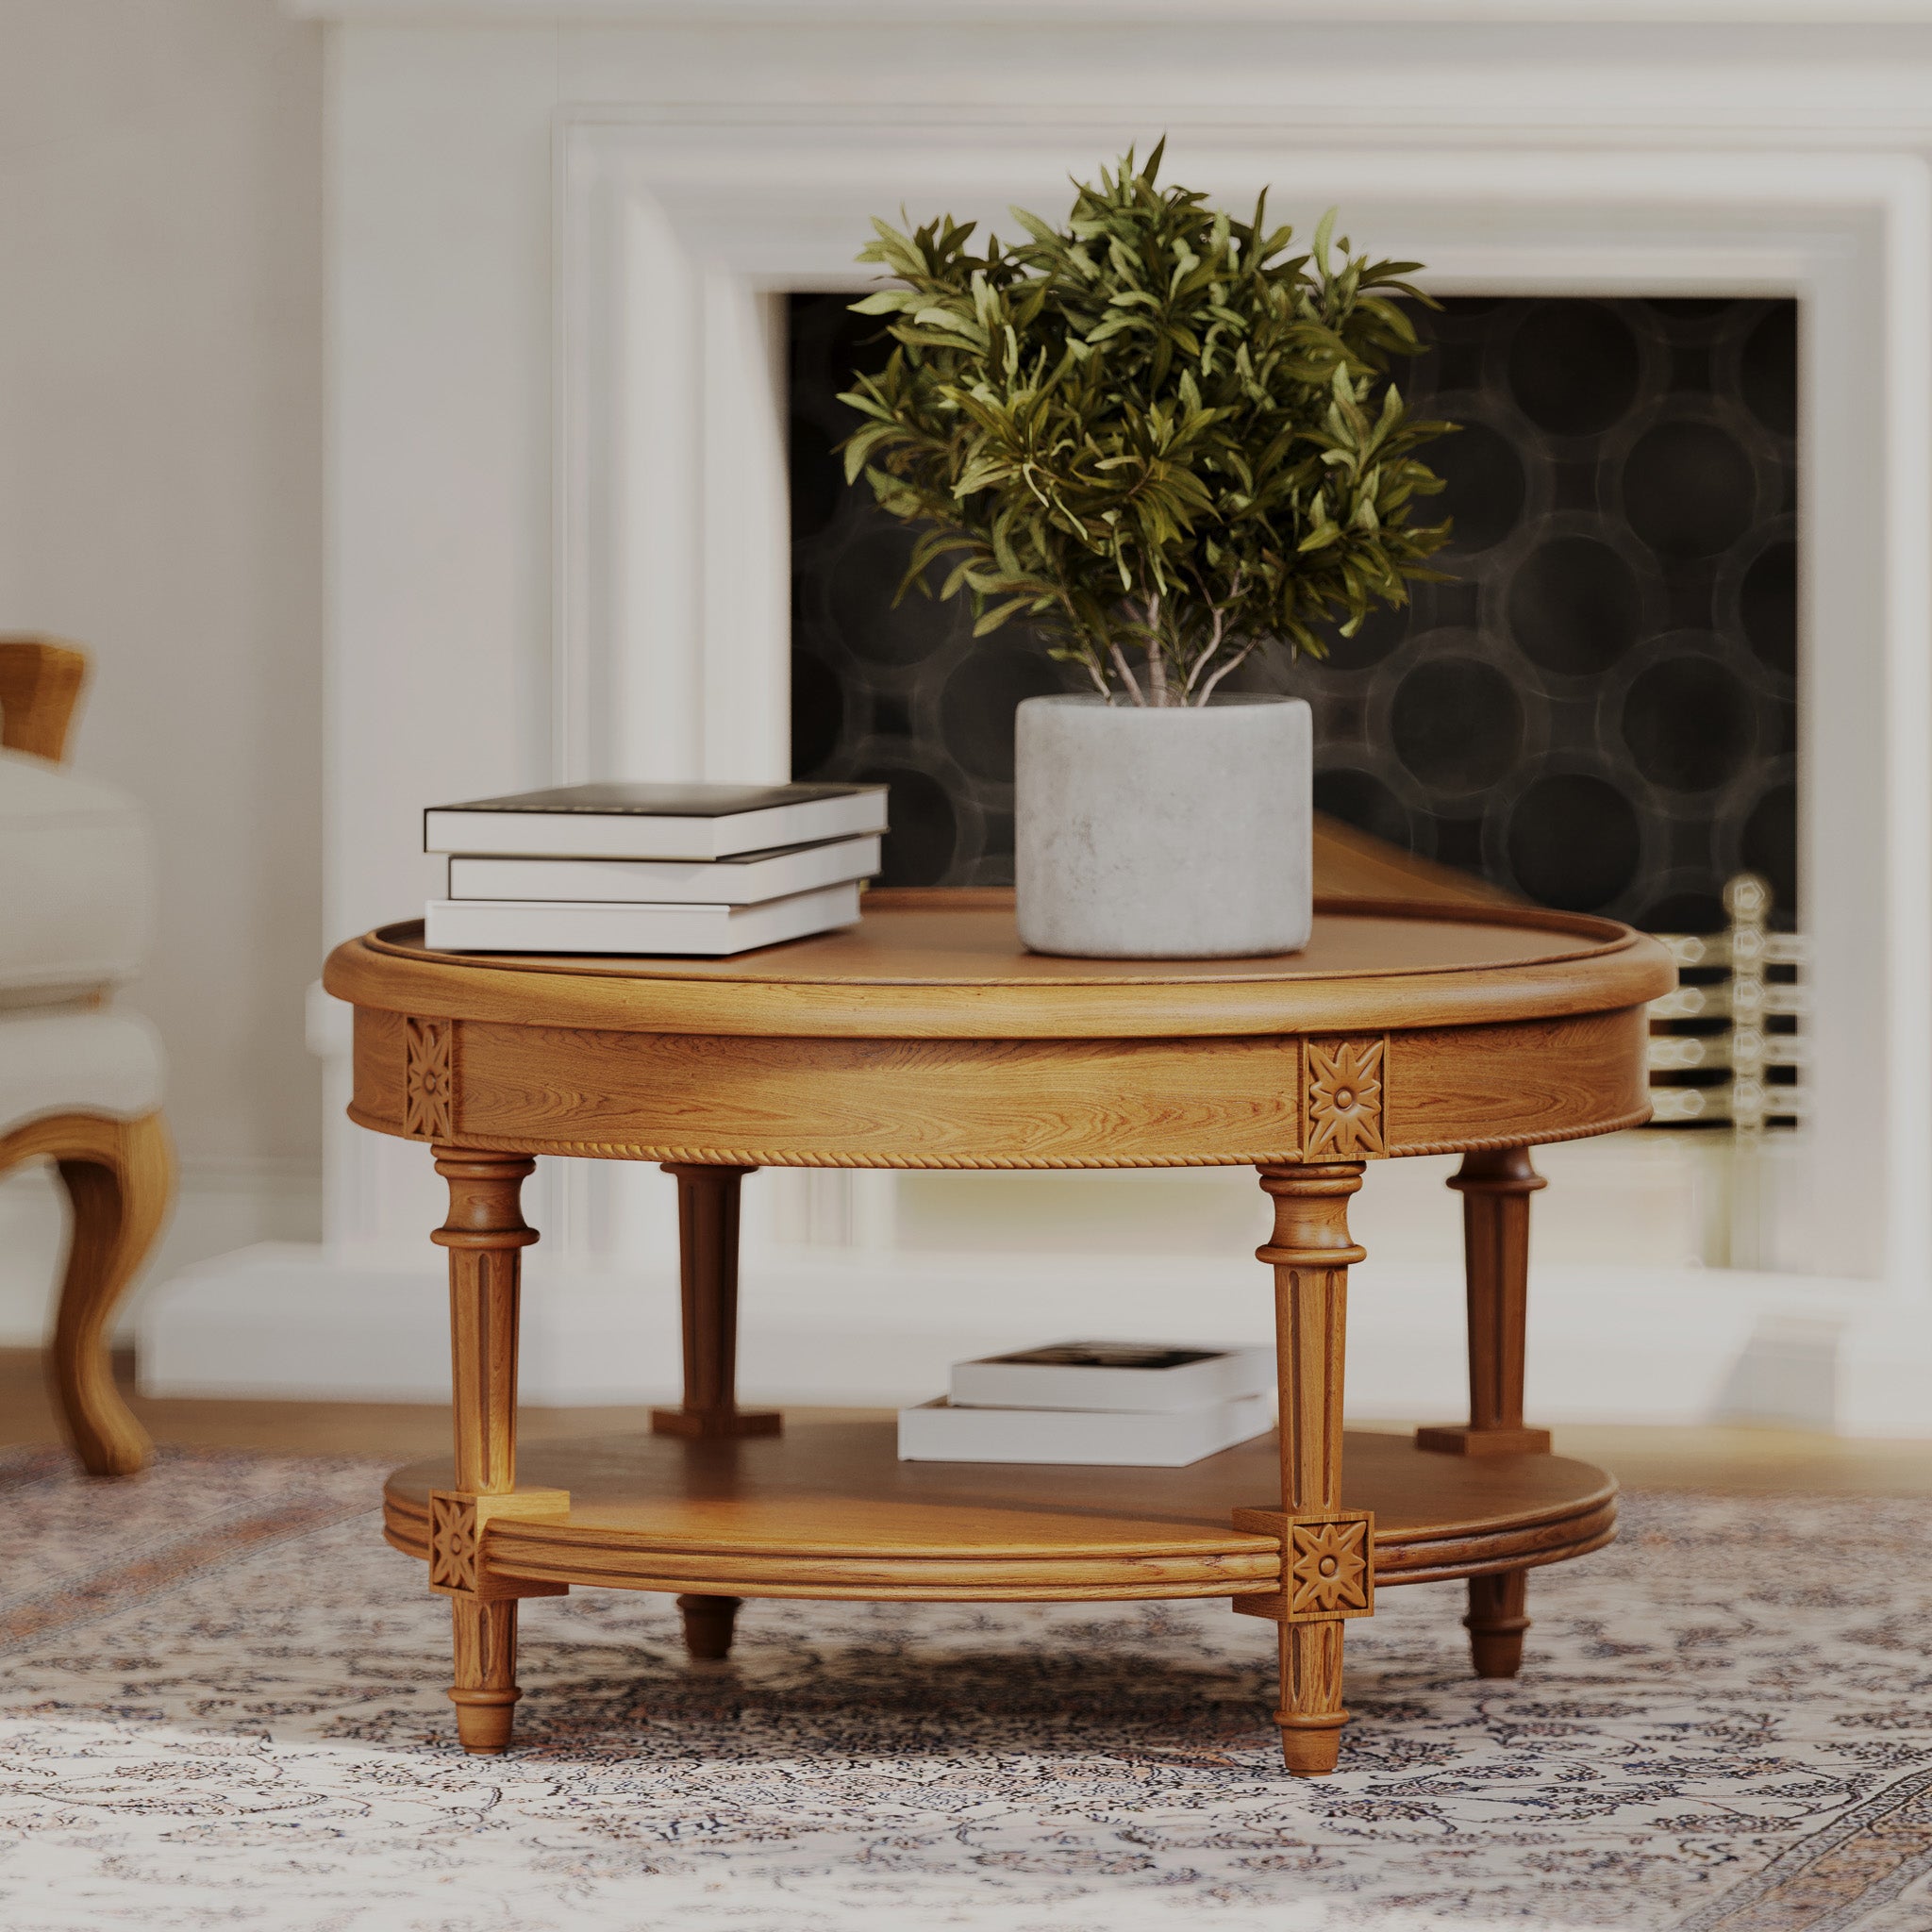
(1751,1460)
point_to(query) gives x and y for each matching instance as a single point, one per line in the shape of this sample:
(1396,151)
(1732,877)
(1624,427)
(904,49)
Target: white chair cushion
(77,1062)
(76,883)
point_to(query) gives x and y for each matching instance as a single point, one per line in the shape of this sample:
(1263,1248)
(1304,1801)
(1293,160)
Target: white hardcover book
(653,820)
(526,926)
(746,879)
(1144,1377)
(938,1432)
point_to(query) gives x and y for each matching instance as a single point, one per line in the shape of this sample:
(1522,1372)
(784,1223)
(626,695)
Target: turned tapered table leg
(485,1235)
(708,1203)
(1326,1552)
(1495,1186)
(707,1280)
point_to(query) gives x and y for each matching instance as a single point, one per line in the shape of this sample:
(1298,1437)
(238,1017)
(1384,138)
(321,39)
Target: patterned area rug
(220,1706)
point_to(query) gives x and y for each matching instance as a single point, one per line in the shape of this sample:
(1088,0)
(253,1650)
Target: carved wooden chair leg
(485,1235)
(1327,1563)
(709,1623)
(1495,1186)
(120,1179)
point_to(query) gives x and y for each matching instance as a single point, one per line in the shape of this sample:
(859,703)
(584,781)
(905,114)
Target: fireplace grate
(1726,1047)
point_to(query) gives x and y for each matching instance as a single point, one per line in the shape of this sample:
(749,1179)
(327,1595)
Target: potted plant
(1168,444)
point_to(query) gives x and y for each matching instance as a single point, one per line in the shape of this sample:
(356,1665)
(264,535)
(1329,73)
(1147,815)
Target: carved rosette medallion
(1328,1570)
(454,1539)
(429,1086)
(1344,1100)
(1327,1566)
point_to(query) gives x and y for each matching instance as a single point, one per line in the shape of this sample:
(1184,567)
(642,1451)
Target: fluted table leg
(485,1235)
(1327,1566)
(1496,1186)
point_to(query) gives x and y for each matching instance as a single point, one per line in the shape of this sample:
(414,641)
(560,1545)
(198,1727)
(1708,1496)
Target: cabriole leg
(120,1178)
(1495,1186)
(1326,1553)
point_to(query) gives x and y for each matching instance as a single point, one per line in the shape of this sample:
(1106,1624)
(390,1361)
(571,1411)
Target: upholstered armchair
(79,1085)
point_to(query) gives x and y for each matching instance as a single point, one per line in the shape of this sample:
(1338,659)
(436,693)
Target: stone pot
(1169,834)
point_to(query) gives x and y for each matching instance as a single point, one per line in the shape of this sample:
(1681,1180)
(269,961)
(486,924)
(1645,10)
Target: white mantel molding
(1114,13)
(672,643)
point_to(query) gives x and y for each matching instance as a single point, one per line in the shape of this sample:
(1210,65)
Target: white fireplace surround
(558,550)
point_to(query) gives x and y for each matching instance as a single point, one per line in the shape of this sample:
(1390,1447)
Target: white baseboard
(220,1207)
(1606,1343)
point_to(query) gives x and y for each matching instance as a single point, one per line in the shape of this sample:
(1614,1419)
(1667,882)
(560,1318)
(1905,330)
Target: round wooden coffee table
(926,1037)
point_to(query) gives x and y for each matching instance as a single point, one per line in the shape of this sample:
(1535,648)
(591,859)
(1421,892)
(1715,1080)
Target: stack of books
(642,869)
(1134,1403)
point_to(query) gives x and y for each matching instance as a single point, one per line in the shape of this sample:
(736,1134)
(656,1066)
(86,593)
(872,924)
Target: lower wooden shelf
(830,1511)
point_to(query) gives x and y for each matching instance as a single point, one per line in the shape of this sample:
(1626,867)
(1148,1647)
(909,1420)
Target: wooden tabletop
(949,964)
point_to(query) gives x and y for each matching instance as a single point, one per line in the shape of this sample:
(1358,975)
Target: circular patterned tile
(861,581)
(1768,369)
(980,696)
(1363,800)
(1690,489)
(1574,841)
(817,711)
(1769,842)
(924,835)
(1599,708)
(1573,367)
(1575,605)
(1688,723)
(1486,487)
(1456,723)
(1768,606)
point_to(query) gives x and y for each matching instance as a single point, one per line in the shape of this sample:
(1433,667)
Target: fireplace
(1600,714)
(562,257)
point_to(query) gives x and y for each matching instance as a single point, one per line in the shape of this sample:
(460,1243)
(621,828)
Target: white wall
(160,479)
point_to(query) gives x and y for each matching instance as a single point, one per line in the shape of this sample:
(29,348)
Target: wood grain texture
(1496,1186)
(830,1511)
(118,1177)
(833,1101)
(936,969)
(484,1639)
(926,1037)
(485,1235)
(1312,1250)
(41,683)
(707,1199)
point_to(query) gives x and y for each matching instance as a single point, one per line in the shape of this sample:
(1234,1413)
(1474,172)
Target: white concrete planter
(1180,833)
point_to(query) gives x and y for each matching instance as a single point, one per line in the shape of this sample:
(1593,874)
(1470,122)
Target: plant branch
(1234,663)
(1119,664)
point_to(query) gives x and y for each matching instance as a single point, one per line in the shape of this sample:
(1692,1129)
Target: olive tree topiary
(1154,433)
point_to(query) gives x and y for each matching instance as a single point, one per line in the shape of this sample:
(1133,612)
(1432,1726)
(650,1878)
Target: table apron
(837,1102)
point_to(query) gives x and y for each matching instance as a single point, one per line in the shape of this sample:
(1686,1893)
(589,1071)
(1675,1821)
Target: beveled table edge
(1614,967)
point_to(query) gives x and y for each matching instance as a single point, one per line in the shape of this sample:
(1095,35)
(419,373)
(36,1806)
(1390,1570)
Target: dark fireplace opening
(1600,712)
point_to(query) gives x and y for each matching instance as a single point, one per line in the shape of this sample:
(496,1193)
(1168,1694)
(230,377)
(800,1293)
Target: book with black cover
(653,820)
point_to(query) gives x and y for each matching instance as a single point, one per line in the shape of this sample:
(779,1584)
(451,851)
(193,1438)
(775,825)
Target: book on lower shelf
(938,1432)
(1145,1376)
(1151,1404)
